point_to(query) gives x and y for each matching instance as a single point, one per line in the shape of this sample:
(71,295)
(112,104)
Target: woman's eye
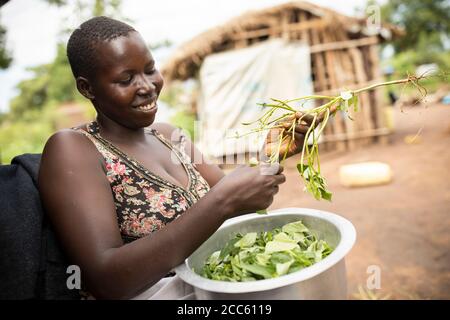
(125,80)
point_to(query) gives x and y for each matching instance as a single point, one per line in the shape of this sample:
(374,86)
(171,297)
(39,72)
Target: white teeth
(147,107)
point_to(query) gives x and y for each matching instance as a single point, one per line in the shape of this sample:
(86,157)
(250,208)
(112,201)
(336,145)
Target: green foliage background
(5,55)
(32,116)
(427,38)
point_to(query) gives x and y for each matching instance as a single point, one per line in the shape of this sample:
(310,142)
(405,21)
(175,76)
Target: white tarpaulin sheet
(233,83)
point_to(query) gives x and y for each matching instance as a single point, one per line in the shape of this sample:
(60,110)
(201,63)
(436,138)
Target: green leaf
(275,246)
(313,189)
(283,237)
(262,259)
(229,247)
(214,259)
(283,268)
(325,194)
(236,267)
(299,168)
(354,101)
(258,270)
(294,227)
(246,241)
(281,257)
(343,105)
(298,237)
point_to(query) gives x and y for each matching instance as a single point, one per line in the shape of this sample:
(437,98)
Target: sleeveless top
(144,201)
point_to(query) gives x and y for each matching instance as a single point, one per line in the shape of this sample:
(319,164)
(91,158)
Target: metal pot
(324,280)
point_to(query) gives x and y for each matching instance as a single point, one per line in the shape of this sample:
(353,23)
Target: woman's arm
(77,197)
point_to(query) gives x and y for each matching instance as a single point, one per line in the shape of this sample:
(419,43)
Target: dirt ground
(402,227)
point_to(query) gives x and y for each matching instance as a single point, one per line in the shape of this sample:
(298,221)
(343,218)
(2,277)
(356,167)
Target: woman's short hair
(81,47)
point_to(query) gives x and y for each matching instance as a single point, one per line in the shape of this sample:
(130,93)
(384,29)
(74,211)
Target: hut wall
(338,63)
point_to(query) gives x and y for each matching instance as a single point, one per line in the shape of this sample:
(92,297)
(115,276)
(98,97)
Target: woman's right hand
(248,189)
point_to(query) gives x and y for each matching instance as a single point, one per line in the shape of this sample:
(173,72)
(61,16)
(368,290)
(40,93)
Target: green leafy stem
(317,117)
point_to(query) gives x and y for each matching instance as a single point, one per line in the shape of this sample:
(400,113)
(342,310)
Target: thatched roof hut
(344,54)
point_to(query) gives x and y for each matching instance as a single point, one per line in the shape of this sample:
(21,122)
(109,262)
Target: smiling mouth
(147,107)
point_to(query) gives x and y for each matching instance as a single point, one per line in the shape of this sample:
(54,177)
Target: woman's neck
(111,130)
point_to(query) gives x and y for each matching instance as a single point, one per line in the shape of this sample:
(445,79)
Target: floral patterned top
(144,201)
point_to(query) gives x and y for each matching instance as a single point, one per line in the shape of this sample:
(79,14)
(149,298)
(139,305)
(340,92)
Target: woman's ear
(85,88)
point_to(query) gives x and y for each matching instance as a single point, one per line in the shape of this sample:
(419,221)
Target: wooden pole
(330,62)
(291,27)
(361,76)
(378,94)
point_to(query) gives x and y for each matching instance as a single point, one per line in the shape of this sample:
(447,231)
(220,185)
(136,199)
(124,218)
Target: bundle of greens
(309,164)
(266,255)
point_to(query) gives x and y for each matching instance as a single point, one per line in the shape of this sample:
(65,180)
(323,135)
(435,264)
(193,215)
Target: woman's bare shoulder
(69,145)
(68,138)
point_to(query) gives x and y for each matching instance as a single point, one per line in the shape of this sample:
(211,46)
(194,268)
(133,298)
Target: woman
(125,209)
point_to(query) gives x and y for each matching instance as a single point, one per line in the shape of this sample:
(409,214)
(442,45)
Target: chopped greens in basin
(265,255)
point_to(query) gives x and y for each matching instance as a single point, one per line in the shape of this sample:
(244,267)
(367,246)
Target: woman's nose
(145,85)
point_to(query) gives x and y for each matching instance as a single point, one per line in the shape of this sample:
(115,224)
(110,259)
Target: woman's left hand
(292,143)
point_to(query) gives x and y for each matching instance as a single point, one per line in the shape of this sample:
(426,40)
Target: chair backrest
(32,264)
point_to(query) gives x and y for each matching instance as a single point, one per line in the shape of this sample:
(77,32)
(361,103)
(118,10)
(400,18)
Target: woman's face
(126,84)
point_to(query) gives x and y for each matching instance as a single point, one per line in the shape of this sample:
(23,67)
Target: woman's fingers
(269,169)
(280,169)
(279,179)
(273,134)
(306,120)
(304,117)
(299,136)
(301,128)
